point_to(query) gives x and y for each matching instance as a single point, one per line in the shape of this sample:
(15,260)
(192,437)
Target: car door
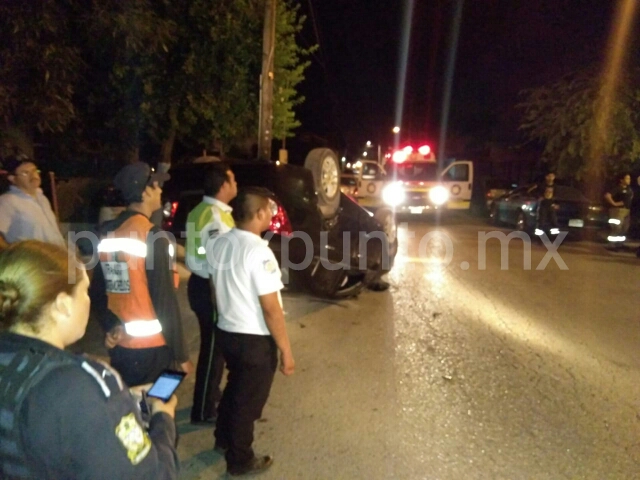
(512,205)
(457,178)
(371,180)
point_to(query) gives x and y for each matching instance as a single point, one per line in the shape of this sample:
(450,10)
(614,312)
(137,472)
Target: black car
(575,213)
(347,248)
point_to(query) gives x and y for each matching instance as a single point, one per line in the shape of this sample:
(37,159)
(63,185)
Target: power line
(316,31)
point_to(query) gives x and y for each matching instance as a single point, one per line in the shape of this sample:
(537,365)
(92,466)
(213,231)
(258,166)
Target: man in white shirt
(25,213)
(251,328)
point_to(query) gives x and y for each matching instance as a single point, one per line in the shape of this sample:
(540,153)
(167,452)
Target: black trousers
(547,214)
(138,366)
(252,361)
(210,362)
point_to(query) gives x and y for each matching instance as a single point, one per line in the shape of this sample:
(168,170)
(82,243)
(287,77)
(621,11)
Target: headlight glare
(393,194)
(438,195)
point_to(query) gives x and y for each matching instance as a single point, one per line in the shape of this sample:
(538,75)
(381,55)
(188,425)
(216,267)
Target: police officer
(66,416)
(210,218)
(133,291)
(251,328)
(619,202)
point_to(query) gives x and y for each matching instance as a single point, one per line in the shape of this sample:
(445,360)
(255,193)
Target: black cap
(134,178)
(11,164)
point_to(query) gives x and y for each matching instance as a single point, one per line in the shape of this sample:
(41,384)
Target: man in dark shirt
(547,218)
(132,292)
(619,200)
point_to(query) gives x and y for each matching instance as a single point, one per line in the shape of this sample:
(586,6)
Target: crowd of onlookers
(69,416)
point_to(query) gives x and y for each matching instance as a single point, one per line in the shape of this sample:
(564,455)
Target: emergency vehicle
(410,183)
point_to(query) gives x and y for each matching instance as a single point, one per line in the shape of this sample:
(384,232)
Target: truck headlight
(393,194)
(438,195)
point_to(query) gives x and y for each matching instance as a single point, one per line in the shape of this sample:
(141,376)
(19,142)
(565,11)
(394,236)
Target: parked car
(349,182)
(309,202)
(495,188)
(575,213)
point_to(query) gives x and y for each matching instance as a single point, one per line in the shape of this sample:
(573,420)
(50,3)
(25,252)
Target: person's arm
(6,215)
(163,297)
(109,321)
(609,199)
(274,318)
(266,278)
(72,430)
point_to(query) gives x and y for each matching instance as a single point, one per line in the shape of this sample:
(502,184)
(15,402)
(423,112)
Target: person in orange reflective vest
(133,295)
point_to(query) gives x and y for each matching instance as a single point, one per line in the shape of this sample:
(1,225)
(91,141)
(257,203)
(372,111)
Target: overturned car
(323,239)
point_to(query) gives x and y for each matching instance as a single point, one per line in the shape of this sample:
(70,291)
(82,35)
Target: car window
(568,194)
(518,192)
(457,173)
(423,171)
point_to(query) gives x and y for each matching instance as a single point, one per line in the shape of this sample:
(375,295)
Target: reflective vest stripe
(131,246)
(143,328)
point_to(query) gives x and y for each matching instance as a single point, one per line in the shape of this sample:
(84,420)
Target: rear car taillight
(169,213)
(280,223)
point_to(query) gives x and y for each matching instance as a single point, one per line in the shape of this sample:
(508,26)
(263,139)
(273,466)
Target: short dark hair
(247,203)
(621,176)
(217,174)
(11,163)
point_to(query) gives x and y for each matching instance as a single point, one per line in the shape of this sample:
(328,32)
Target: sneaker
(254,467)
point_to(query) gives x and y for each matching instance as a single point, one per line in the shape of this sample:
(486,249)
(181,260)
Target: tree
(200,92)
(563,116)
(40,69)
(289,67)
(123,44)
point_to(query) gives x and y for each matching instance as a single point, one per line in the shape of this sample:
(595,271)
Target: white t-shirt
(243,268)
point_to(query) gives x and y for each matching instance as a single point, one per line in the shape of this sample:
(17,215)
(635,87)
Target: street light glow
(368,143)
(396,130)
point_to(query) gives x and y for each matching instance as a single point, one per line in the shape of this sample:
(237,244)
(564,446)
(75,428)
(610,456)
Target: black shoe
(207,422)
(254,467)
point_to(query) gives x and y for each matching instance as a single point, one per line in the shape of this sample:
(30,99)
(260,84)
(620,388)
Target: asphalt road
(458,371)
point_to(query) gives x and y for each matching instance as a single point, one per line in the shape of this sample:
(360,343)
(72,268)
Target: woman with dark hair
(62,415)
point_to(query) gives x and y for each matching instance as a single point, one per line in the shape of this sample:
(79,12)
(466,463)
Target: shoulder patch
(269,266)
(133,438)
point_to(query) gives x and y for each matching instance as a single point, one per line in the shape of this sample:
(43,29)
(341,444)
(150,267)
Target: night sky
(504,46)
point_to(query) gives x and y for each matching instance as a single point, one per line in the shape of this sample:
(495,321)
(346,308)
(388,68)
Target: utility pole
(265,133)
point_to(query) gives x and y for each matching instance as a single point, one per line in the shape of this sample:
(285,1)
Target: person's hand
(187,367)
(158,406)
(138,389)
(113,336)
(287,363)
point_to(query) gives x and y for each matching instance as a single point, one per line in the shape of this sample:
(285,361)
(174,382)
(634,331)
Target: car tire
(521,222)
(334,283)
(493,215)
(387,220)
(324,166)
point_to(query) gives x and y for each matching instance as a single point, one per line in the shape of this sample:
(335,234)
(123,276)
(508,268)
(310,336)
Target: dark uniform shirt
(81,422)
(622,194)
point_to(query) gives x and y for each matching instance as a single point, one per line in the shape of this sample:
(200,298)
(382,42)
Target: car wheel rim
(329,177)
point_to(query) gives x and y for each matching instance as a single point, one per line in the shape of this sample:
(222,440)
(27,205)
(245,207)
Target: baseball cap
(134,178)
(11,164)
